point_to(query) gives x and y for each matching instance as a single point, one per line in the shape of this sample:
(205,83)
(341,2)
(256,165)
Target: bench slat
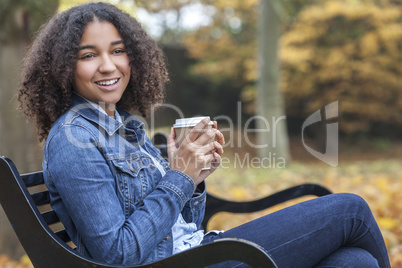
(33,179)
(50,217)
(63,235)
(41,198)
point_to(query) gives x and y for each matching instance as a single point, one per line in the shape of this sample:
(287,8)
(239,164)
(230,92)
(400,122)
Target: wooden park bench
(26,203)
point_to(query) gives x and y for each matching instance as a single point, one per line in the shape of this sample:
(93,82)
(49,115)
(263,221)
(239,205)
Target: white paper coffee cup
(183,126)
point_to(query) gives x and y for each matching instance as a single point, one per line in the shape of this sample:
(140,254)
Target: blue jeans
(337,230)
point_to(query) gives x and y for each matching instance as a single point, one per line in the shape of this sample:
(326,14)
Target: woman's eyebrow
(92,46)
(118,42)
(85,47)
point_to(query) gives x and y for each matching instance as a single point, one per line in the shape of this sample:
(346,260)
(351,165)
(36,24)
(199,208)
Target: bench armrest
(216,204)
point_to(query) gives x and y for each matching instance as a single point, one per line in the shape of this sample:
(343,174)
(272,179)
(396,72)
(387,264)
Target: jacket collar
(89,111)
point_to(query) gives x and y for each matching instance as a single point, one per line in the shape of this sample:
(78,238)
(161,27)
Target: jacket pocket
(136,176)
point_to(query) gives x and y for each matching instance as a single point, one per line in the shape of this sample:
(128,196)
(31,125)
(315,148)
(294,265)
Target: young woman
(120,202)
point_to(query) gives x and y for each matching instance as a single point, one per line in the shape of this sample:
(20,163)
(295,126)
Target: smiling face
(103,69)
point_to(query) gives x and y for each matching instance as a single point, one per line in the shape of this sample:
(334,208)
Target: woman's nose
(107,65)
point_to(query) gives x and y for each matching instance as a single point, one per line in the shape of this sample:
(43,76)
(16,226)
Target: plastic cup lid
(189,122)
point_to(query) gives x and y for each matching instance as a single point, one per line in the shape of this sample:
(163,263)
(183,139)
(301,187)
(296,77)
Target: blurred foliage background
(329,50)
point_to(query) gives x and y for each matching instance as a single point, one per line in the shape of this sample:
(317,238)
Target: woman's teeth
(107,83)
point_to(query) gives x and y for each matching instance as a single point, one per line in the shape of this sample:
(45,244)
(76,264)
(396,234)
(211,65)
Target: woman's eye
(87,56)
(118,51)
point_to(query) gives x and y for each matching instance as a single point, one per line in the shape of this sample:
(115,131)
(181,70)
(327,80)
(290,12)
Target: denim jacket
(115,204)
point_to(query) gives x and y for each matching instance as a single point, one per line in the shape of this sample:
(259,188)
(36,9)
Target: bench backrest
(35,185)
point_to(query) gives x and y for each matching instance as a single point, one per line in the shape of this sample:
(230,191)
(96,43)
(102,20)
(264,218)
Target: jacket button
(167,237)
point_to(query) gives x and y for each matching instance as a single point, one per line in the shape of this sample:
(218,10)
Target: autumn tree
(348,51)
(272,133)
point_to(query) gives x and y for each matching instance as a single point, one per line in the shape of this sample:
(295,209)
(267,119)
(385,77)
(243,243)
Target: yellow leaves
(387,223)
(299,56)
(390,35)
(336,57)
(127,6)
(238,193)
(369,44)
(6,262)
(303,33)
(251,69)
(387,14)
(25,261)
(66,4)
(322,12)
(330,9)
(236,4)
(222,4)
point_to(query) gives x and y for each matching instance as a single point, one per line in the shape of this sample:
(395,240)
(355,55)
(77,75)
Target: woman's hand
(217,152)
(195,151)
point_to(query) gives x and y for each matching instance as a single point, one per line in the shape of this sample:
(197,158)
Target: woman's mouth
(107,82)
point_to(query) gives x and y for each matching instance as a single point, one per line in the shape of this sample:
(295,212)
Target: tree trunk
(272,133)
(18,138)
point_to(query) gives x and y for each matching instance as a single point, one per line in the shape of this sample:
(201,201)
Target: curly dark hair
(47,76)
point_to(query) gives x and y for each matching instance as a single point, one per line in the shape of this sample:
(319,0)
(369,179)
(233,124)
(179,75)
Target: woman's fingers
(206,143)
(220,138)
(198,129)
(216,161)
(218,148)
(207,136)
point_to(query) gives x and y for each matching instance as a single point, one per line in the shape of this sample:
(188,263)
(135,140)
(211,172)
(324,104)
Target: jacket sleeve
(194,210)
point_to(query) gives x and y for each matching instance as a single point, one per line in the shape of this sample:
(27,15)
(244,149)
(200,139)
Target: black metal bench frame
(48,248)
